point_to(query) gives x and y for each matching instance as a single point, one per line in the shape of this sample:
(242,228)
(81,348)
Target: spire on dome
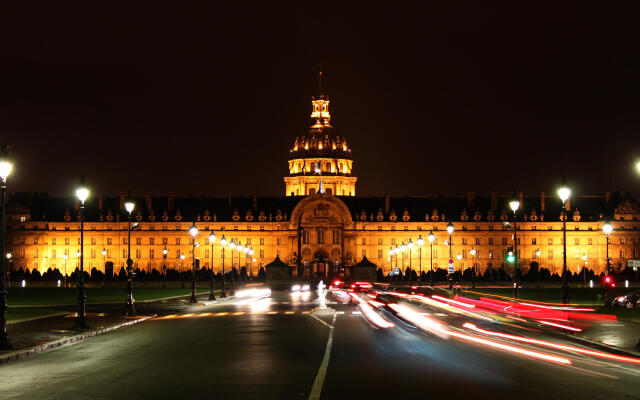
(320,105)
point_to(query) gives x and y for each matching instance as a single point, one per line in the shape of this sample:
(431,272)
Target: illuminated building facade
(321,224)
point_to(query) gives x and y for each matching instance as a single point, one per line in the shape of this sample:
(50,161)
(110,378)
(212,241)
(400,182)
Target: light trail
(574,349)
(567,327)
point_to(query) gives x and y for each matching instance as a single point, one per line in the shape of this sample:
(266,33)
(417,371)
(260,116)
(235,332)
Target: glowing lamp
(410,244)
(514,204)
(473,252)
(251,252)
(129,205)
(212,237)
(391,251)
(420,241)
(5,163)
(82,194)
(564,193)
(403,247)
(193,230)
(104,252)
(584,257)
(182,256)
(165,251)
(232,244)
(607,228)
(246,250)
(431,237)
(459,256)
(450,228)
(223,241)
(537,253)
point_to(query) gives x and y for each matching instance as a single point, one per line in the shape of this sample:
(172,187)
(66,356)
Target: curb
(100,302)
(17,321)
(20,354)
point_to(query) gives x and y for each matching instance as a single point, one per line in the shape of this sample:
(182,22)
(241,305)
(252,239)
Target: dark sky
(433,98)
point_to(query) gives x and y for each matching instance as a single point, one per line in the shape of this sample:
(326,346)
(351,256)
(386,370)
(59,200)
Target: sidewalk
(622,334)
(38,335)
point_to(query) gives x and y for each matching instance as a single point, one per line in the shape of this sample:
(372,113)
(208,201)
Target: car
(628,301)
(360,286)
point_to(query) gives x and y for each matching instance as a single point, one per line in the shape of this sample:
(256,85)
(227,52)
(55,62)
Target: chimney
(521,199)
(387,202)
(123,196)
(567,204)
(171,201)
(255,201)
(542,204)
(471,196)
(229,199)
(76,204)
(494,200)
(99,201)
(607,197)
(147,200)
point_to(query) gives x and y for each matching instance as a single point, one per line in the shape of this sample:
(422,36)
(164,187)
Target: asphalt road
(273,348)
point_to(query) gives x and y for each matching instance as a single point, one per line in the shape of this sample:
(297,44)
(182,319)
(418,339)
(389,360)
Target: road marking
(322,372)
(290,312)
(356,313)
(203,314)
(272,312)
(239,313)
(306,312)
(324,323)
(221,313)
(340,312)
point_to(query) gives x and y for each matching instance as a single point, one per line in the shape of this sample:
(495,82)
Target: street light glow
(129,205)
(431,237)
(473,252)
(212,237)
(223,241)
(514,204)
(193,231)
(564,193)
(410,244)
(82,194)
(450,228)
(607,228)
(420,241)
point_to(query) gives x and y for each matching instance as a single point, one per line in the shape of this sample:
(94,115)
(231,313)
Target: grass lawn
(577,295)
(47,295)
(20,313)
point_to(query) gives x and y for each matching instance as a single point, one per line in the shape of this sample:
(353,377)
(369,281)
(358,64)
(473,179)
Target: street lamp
(66,257)
(233,245)
(130,310)
(246,256)
(212,239)
(5,169)
(538,274)
(420,242)
(104,266)
(193,231)
(515,204)
(403,248)
(82,193)
(223,243)
(431,238)
(164,267)
(584,270)
(473,268)
(251,265)
(564,193)
(450,230)
(410,246)
(607,228)
(391,252)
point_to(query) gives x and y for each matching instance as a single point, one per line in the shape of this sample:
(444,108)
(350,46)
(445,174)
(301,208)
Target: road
(273,347)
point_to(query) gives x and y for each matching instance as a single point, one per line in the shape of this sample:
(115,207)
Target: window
(66,241)
(305,237)
(261,253)
(78,241)
(393,241)
(504,241)
(35,253)
(464,253)
(477,241)
(35,240)
(53,241)
(364,241)
(93,241)
(518,241)
(206,253)
(278,241)
(622,253)
(261,241)
(576,253)
(550,254)
(393,228)
(138,253)
(108,240)
(151,253)
(177,241)
(550,241)
(379,227)
(53,253)
(577,241)
(534,241)
(124,253)
(138,241)
(124,240)
(491,254)
(108,253)
(364,253)
(178,253)
(464,241)
(379,241)
(164,241)
(490,227)
(336,237)
(248,241)
(93,253)
(152,241)
(490,240)
(435,254)
(622,241)
(320,237)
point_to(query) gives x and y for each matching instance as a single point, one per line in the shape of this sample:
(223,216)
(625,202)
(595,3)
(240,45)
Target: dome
(320,142)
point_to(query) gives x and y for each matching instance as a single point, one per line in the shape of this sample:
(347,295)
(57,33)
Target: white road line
(322,372)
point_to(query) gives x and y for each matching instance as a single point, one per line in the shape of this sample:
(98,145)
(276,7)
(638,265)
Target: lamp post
(450,230)
(515,204)
(239,249)
(251,265)
(130,310)
(232,291)
(403,248)
(164,267)
(66,257)
(431,238)
(246,256)
(223,243)
(81,319)
(193,231)
(538,274)
(5,170)
(473,268)
(564,193)
(182,257)
(104,266)
(391,253)
(420,242)
(212,239)
(607,228)
(584,270)
(410,274)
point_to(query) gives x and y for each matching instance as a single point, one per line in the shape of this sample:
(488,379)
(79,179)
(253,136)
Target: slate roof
(44,208)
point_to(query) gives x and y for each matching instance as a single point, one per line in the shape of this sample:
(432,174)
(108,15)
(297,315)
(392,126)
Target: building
(321,224)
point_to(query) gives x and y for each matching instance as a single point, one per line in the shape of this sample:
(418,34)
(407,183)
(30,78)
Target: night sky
(433,98)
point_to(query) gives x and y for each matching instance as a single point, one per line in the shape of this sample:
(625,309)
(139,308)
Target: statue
(322,294)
